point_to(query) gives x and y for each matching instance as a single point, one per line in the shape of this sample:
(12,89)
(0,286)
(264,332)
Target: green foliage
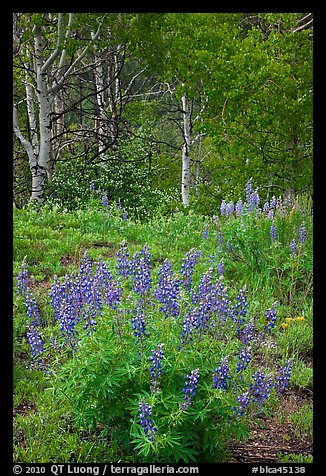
(93,393)
(250,80)
(108,370)
(294,458)
(125,178)
(302,421)
(302,375)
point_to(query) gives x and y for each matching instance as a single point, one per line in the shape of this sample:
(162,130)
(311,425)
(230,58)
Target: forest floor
(271,439)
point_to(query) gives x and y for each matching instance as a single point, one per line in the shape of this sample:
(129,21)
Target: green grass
(55,241)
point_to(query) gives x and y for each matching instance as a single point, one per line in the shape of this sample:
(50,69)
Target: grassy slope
(54,242)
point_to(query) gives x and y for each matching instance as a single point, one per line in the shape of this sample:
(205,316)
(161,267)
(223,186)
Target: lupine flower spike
(221,375)
(156,368)
(189,389)
(146,420)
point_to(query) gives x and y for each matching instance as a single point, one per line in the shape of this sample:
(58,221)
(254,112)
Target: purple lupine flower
(105,200)
(207,300)
(102,275)
(82,298)
(92,300)
(167,291)
(272,203)
(67,323)
(22,277)
(107,286)
(124,216)
(32,309)
(270,317)
(302,234)
(156,368)
(55,297)
(229,209)
(248,189)
(221,375)
(215,218)
(140,270)
(205,234)
(266,209)
(220,237)
(146,420)
(187,267)
(246,333)
(239,208)
(85,268)
(260,388)
(273,232)
(220,267)
(123,264)
(254,200)
(269,209)
(189,389)
(283,378)
(252,196)
(243,402)
(113,294)
(138,324)
(240,309)
(293,247)
(205,286)
(270,214)
(35,340)
(119,205)
(222,301)
(189,324)
(223,207)
(244,359)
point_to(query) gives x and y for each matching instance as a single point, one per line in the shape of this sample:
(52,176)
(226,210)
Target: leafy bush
(125,177)
(173,369)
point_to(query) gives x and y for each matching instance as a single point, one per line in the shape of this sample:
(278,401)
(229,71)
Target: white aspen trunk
(116,69)
(112,94)
(30,107)
(32,156)
(198,163)
(57,131)
(39,172)
(185,177)
(100,99)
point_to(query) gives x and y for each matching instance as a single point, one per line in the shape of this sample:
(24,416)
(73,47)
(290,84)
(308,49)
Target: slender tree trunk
(30,99)
(112,94)
(98,76)
(58,136)
(198,163)
(39,171)
(185,178)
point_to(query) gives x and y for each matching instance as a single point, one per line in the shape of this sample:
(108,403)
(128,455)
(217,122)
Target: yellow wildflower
(284,325)
(289,319)
(300,318)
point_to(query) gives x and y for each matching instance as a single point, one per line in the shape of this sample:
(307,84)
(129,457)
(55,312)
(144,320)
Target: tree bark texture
(185,178)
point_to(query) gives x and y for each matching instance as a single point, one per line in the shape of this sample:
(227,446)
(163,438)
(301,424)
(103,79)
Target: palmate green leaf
(142,443)
(180,450)
(202,415)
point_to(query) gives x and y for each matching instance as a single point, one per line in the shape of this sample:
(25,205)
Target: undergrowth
(160,340)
